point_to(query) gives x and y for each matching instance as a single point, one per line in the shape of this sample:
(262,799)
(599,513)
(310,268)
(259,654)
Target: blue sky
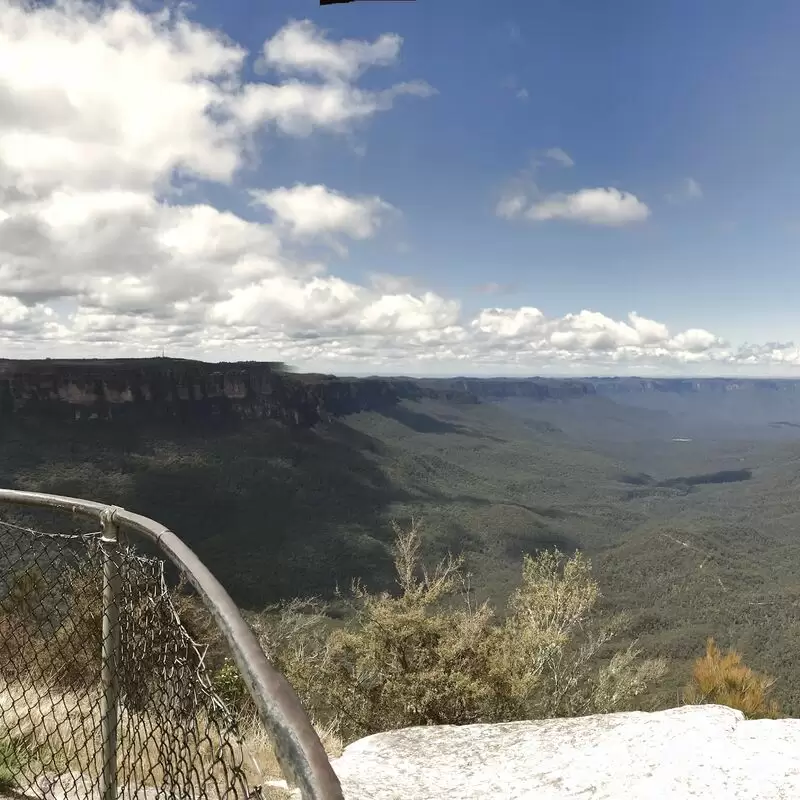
(642,96)
(559,156)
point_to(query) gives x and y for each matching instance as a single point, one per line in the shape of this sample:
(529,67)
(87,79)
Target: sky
(439,187)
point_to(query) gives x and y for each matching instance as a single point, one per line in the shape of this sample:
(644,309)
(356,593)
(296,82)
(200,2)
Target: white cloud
(688,190)
(297,109)
(332,307)
(590,336)
(649,331)
(316,210)
(695,340)
(300,48)
(136,97)
(593,206)
(114,98)
(100,255)
(509,322)
(587,331)
(523,198)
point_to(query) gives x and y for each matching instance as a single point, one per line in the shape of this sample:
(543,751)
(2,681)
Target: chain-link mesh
(175,738)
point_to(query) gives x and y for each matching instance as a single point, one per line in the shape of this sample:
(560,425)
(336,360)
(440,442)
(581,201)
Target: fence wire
(176,739)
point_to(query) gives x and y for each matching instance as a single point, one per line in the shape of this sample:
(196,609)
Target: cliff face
(142,389)
(183,390)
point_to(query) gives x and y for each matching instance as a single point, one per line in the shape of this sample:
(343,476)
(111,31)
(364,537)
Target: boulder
(706,752)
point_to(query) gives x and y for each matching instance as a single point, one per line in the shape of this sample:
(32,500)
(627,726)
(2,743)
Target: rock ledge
(705,752)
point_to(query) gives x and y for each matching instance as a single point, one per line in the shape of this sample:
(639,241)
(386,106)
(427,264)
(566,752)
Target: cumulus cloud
(587,331)
(137,97)
(610,207)
(298,109)
(594,206)
(332,307)
(309,211)
(696,340)
(100,253)
(524,199)
(589,338)
(300,47)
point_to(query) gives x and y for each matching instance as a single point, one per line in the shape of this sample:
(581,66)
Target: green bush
(422,657)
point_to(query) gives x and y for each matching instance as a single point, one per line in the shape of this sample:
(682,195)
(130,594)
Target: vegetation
(426,654)
(429,654)
(723,679)
(278,512)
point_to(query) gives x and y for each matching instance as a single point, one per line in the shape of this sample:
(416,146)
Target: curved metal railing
(298,749)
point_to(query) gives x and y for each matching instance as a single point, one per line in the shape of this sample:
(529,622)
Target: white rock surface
(706,752)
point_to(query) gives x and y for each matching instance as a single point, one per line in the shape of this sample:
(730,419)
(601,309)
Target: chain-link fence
(105,694)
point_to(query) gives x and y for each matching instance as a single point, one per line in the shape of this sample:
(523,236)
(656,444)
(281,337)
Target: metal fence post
(109,670)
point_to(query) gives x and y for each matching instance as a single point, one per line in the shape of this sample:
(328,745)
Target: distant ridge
(187,389)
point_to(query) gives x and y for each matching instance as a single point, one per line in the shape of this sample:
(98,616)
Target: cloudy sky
(439,187)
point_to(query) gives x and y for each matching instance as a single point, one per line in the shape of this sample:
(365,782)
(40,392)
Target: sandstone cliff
(182,390)
(185,390)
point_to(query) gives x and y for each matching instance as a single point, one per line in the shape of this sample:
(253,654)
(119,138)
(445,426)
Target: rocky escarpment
(182,390)
(185,390)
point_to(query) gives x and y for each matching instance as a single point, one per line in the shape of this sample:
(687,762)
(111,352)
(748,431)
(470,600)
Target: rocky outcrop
(707,752)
